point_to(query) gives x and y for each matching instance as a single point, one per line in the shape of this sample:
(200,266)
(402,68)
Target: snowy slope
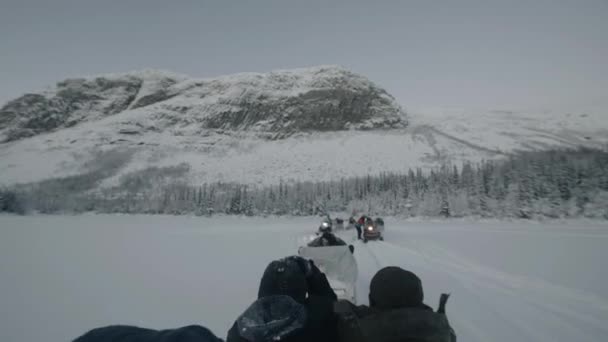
(303,124)
(63,275)
(73,101)
(505,131)
(243,157)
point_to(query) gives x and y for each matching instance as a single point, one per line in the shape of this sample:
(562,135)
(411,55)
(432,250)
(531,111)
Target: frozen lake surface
(510,281)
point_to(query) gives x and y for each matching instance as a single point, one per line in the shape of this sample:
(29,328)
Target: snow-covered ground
(63,275)
(431,138)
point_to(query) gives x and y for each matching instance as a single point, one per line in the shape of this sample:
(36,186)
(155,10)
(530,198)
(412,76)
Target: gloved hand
(317,281)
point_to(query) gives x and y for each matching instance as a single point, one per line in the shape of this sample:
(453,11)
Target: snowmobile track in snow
(524,299)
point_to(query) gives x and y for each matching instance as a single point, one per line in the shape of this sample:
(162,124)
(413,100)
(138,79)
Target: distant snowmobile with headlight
(373,229)
(325,227)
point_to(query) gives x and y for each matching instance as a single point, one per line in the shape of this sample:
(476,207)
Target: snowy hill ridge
(282,102)
(314,124)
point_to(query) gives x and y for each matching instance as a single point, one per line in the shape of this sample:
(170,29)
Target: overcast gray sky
(507,54)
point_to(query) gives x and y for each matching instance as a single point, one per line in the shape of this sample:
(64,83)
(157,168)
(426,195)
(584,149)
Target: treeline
(560,183)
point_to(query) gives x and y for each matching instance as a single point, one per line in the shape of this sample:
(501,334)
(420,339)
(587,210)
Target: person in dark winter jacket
(125,333)
(396,312)
(295,303)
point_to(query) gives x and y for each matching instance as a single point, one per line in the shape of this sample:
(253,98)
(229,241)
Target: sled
(339,265)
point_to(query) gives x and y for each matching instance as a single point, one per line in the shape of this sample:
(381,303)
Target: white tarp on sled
(339,265)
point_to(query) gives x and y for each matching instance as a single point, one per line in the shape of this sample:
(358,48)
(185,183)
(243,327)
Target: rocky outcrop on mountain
(75,100)
(280,103)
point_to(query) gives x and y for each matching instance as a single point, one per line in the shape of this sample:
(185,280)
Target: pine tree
(524,199)
(210,203)
(445,205)
(455,178)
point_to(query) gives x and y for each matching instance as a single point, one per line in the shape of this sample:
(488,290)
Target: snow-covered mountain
(318,123)
(276,104)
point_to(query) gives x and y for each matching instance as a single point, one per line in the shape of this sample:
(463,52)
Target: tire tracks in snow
(373,256)
(415,260)
(367,265)
(523,303)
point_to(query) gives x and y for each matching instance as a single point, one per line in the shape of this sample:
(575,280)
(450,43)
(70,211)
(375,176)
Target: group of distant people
(295,302)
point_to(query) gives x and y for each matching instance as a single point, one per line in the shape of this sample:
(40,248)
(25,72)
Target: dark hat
(393,287)
(284,277)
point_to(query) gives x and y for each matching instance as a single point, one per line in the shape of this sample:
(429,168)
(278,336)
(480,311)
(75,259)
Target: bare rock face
(282,103)
(74,100)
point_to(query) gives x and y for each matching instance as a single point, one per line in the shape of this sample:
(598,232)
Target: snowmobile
(328,240)
(372,230)
(339,265)
(325,227)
